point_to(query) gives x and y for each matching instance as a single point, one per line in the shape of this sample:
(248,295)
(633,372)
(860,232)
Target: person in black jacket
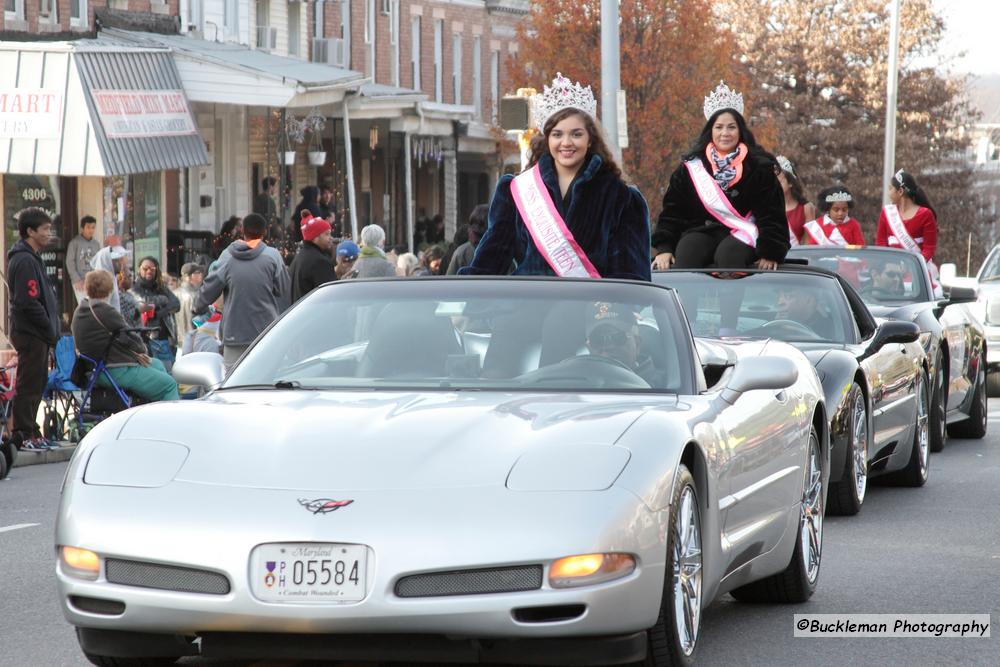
(34,323)
(687,235)
(310,203)
(313,263)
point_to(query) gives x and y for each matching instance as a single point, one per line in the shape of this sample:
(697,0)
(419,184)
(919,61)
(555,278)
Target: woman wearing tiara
(909,221)
(724,205)
(835,227)
(569,213)
(798,209)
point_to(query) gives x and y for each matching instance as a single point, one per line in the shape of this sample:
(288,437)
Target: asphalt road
(930,550)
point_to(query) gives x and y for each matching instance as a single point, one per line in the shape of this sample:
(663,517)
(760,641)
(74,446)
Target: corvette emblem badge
(323,505)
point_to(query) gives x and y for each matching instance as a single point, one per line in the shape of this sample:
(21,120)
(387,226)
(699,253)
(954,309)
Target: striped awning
(85,108)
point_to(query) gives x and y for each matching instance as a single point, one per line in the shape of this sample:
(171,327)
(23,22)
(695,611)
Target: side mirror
(947,273)
(760,373)
(893,331)
(959,294)
(201,369)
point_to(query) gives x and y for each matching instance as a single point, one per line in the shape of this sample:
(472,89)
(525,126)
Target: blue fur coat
(608,219)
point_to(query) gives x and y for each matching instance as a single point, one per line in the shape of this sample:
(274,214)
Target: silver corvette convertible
(483,470)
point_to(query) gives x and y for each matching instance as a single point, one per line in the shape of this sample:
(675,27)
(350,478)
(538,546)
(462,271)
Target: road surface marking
(17,526)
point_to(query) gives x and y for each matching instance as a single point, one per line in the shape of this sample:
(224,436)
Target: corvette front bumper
(488,527)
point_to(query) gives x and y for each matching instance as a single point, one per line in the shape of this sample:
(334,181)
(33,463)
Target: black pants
(712,245)
(32,374)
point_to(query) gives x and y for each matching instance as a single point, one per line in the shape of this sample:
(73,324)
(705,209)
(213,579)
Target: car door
(955,329)
(891,374)
(763,471)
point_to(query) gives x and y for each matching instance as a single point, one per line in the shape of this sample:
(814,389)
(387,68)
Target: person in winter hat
(313,263)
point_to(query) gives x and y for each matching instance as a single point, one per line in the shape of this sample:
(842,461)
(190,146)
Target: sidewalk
(32,458)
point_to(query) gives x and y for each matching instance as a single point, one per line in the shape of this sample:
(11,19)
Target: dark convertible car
(895,286)
(874,376)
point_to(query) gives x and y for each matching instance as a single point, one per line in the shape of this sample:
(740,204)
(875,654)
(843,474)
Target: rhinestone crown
(723,97)
(785,164)
(563,94)
(838,196)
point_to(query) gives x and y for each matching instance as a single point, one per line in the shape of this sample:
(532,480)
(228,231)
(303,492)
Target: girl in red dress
(917,215)
(798,209)
(835,226)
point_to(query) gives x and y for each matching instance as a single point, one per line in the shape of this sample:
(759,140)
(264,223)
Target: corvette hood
(366,441)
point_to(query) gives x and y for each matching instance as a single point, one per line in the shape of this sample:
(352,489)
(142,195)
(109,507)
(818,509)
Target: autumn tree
(819,68)
(671,57)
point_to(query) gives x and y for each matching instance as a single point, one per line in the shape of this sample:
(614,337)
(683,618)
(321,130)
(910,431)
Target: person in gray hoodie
(256,285)
(79,252)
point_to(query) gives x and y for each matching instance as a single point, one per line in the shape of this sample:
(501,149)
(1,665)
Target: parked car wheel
(938,418)
(993,384)
(916,471)
(798,581)
(975,426)
(848,493)
(674,638)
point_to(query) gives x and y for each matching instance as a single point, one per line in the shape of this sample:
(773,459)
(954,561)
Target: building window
(415,51)
(294,28)
(495,84)
(394,39)
(77,12)
(47,11)
(456,67)
(319,12)
(231,18)
(439,61)
(345,31)
(370,18)
(477,75)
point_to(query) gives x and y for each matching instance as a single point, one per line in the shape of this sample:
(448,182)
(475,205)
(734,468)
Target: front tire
(975,426)
(798,581)
(917,467)
(848,494)
(993,383)
(938,417)
(674,638)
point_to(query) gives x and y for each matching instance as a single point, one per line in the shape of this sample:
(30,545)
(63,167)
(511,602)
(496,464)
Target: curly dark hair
(598,145)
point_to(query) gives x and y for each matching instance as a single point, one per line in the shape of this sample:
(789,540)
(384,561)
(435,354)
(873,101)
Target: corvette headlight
(589,569)
(80,563)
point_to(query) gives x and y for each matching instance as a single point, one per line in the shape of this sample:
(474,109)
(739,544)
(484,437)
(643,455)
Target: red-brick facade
(36,25)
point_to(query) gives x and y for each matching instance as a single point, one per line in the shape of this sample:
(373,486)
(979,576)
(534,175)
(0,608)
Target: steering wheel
(791,326)
(591,369)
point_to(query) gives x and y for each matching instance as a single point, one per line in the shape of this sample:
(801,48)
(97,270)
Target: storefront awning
(227,73)
(86,108)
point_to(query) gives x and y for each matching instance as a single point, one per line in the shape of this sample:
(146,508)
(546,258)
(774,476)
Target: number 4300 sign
(34,194)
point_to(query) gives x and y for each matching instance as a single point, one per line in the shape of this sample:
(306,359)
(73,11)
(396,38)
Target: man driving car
(613,333)
(887,278)
(799,305)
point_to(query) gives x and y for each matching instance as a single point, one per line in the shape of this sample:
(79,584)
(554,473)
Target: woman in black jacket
(748,197)
(155,298)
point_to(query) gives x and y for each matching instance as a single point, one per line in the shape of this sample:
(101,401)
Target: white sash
(819,237)
(744,228)
(791,237)
(547,228)
(898,228)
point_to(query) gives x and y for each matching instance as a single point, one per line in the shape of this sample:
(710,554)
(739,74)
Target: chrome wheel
(811,519)
(923,436)
(687,572)
(860,449)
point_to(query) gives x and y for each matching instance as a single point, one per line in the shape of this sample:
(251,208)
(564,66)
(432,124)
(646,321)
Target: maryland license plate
(309,572)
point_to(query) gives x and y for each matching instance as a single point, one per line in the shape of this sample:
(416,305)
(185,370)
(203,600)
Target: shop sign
(30,113)
(130,114)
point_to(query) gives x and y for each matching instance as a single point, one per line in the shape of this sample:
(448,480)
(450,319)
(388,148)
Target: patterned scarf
(727,169)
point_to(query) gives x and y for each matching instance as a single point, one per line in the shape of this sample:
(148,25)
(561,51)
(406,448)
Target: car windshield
(991,268)
(881,277)
(787,306)
(476,334)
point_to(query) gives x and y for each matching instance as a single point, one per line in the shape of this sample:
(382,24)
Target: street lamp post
(610,74)
(892,83)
